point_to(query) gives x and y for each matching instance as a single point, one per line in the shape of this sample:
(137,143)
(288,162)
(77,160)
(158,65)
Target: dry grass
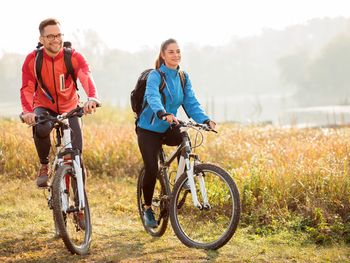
(294,180)
(26,232)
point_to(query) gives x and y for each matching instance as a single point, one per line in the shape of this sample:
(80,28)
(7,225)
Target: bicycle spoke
(74,225)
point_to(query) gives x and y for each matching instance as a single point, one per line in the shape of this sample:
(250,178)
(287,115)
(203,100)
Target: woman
(153,126)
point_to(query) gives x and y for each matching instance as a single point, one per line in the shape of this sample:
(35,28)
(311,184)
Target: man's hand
(90,107)
(29,118)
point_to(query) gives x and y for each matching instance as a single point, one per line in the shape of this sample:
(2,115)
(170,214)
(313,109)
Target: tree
(10,76)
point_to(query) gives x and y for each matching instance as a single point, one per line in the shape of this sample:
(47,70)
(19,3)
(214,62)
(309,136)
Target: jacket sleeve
(192,105)
(83,73)
(28,83)
(152,94)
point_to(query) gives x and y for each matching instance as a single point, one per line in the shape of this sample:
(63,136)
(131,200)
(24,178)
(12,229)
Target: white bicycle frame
(186,166)
(67,145)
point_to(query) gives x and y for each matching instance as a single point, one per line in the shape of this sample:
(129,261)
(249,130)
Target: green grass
(26,231)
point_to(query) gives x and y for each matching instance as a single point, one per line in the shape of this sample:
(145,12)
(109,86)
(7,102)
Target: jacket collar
(58,56)
(170,71)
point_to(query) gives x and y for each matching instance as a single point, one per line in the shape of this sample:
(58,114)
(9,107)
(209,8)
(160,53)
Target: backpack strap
(67,46)
(162,85)
(183,80)
(39,79)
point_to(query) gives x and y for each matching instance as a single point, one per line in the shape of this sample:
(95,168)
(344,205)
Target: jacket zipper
(54,83)
(171,95)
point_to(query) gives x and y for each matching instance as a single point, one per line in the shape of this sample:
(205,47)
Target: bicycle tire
(206,228)
(159,205)
(75,232)
(56,230)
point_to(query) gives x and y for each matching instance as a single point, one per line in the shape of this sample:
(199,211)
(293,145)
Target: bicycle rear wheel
(74,225)
(159,205)
(211,227)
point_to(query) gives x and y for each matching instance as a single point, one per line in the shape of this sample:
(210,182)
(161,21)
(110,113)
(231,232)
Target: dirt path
(26,233)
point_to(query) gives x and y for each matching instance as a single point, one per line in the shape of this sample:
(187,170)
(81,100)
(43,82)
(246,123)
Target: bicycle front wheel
(159,205)
(74,225)
(213,225)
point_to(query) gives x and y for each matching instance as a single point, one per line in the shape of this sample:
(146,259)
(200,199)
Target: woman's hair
(47,22)
(163,47)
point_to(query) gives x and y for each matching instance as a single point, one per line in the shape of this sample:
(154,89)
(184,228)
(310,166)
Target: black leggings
(41,134)
(150,144)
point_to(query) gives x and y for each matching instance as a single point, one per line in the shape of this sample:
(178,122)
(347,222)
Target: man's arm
(28,88)
(84,75)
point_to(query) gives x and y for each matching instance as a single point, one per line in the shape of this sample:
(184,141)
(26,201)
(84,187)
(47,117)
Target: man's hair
(47,22)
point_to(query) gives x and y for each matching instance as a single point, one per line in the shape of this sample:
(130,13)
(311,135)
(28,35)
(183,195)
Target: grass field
(294,185)
(26,232)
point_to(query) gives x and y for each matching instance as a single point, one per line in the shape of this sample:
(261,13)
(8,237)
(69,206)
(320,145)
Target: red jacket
(53,69)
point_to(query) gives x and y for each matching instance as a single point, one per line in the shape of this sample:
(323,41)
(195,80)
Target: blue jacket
(175,97)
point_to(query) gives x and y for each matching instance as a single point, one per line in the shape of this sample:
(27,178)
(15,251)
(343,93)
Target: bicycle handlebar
(191,124)
(79,112)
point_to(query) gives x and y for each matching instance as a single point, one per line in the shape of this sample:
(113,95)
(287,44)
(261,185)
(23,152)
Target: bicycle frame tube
(185,154)
(180,168)
(171,158)
(184,150)
(67,143)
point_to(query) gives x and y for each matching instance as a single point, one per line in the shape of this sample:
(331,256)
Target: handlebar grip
(21,117)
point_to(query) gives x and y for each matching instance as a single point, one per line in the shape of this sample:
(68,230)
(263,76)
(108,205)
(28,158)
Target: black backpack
(137,94)
(67,46)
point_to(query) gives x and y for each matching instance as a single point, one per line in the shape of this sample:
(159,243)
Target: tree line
(305,60)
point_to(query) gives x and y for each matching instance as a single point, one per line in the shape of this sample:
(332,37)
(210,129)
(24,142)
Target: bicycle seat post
(58,136)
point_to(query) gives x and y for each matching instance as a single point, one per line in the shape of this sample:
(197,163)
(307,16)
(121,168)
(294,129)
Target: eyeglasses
(53,37)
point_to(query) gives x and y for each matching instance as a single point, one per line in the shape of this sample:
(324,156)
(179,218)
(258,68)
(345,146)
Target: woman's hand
(170,118)
(212,125)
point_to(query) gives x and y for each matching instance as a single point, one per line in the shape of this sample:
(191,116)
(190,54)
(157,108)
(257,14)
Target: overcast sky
(134,24)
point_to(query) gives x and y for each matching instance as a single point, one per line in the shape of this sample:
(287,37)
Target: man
(54,91)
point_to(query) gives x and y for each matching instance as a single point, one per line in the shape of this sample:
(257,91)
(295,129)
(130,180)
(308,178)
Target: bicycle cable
(195,140)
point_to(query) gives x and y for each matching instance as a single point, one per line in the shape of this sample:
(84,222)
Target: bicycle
(66,190)
(202,200)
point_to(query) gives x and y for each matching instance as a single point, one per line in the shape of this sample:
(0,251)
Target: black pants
(41,134)
(150,144)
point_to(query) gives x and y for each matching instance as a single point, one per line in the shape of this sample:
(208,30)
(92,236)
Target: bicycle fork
(77,167)
(185,165)
(80,183)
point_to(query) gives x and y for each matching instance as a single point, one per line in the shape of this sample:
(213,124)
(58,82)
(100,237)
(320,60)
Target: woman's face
(172,56)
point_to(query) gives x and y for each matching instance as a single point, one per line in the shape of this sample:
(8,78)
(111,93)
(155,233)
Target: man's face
(52,39)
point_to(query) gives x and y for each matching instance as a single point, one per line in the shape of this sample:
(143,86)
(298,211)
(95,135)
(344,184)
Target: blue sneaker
(148,217)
